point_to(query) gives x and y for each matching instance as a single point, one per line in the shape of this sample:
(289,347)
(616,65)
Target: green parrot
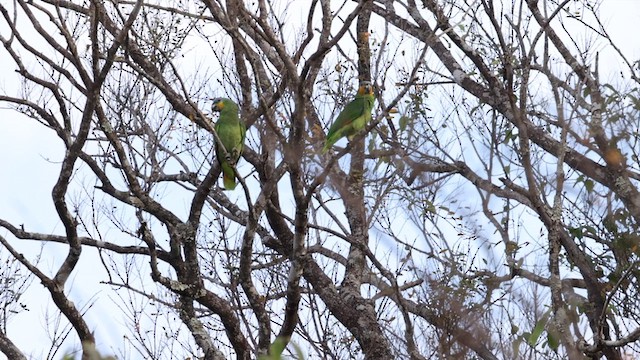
(353,118)
(231,131)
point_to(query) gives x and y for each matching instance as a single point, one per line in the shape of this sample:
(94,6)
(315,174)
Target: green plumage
(231,131)
(353,118)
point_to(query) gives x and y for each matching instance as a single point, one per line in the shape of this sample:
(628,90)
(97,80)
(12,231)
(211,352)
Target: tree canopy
(488,210)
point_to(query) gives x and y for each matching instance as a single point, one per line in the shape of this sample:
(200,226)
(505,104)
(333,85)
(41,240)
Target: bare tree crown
(481,201)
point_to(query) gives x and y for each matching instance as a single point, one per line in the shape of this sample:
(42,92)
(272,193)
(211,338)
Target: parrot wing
(346,124)
(232,133)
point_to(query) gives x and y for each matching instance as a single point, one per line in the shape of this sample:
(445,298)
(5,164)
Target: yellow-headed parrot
(231,131)
(353,118)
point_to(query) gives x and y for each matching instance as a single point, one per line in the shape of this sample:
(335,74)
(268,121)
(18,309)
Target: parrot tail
(228,177)
(328,143)
(332,138)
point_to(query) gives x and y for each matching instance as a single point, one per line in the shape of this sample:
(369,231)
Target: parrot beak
(366,88)
(217,104)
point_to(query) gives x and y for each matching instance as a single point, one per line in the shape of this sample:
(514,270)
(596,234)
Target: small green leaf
(278,346)
(552,341)
(576,232)
(532,339)
(404,121)
(516,347)
(537,331)
(275,350)
(429,207)
(589,184)
(508,136)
